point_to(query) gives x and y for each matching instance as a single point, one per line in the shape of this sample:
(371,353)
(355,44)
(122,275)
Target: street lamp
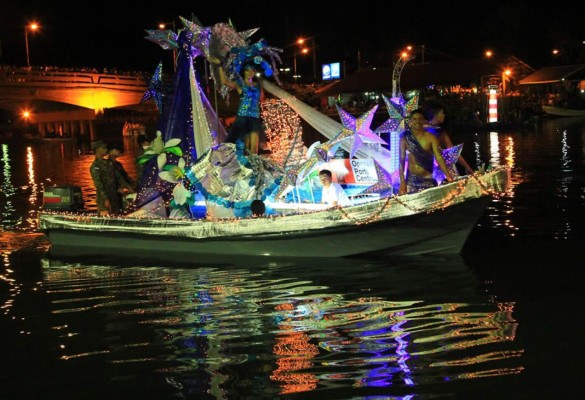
(301,41)
(304,50)
(162,26)
(32,27)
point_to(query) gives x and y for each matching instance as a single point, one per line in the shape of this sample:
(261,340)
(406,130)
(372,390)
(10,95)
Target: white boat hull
(438,220)
(563,112)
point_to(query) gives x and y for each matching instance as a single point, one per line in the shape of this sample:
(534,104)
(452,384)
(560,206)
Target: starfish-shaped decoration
(450,155)
(155,88)
(323,152)
(201,35)
(289,179)
(165,38)
(384,184)
(358,129)
(411,104)
(396,121)
(306,168)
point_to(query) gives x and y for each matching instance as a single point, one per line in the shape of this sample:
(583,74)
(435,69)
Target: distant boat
(563,112)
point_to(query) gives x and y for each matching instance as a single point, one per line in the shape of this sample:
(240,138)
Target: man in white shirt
(333,194)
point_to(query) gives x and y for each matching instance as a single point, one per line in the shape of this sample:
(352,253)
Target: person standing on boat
(248,123)
(435,114)
(332,194)
(422,146)
(108,183)
(113,153)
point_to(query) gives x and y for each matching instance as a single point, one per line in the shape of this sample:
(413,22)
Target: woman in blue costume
(423,147)
(248,124)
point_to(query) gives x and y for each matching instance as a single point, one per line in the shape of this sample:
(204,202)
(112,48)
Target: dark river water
(502,321)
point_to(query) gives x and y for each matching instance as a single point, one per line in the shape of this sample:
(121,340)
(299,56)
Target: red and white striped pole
(492,105)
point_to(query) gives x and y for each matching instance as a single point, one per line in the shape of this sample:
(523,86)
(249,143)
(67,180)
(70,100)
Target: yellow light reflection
(494,149)
(30,163)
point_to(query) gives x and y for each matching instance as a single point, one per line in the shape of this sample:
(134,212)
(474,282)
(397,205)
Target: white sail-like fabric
(328,127)
(201,130)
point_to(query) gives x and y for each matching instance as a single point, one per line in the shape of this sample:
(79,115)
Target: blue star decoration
(450,155)
(358,129)
(156,88)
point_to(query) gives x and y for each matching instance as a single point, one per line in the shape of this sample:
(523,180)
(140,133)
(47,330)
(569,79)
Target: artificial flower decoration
(159,149)
(180,194)
(173,173)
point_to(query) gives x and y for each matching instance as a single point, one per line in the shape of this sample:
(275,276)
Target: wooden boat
(563,112)
(437,220)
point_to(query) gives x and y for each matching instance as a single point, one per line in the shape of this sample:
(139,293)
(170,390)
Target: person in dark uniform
(113,153)
(108,182)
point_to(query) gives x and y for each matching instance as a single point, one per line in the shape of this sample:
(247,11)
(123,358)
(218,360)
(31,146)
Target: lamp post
(162,25)
(32,27)
(301,41)
(295,65)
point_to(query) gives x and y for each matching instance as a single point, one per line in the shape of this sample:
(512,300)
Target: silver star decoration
(396,121)
(384,183)
(201,35)
(165,38)
(450,155)
(358,129)
(411,104)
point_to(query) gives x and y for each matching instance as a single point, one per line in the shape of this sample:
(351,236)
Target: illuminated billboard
(331,71)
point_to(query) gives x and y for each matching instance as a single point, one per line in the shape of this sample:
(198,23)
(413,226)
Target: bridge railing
(64,78)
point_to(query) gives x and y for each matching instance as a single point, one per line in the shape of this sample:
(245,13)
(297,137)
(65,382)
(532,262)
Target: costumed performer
(248,123)
(422,146)
(435,114)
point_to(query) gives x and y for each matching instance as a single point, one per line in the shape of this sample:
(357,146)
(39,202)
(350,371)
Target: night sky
(107,34)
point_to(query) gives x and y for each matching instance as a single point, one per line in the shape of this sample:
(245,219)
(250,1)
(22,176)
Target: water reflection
(396,328)
(271,329)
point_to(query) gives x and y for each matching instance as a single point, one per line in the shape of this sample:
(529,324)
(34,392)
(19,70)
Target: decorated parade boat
(190,164)
(436,220)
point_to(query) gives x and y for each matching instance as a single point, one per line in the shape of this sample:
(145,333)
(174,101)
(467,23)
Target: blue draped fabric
(176,122)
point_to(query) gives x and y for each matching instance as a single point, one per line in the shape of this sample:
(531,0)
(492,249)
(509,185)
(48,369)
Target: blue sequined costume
(248,116)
